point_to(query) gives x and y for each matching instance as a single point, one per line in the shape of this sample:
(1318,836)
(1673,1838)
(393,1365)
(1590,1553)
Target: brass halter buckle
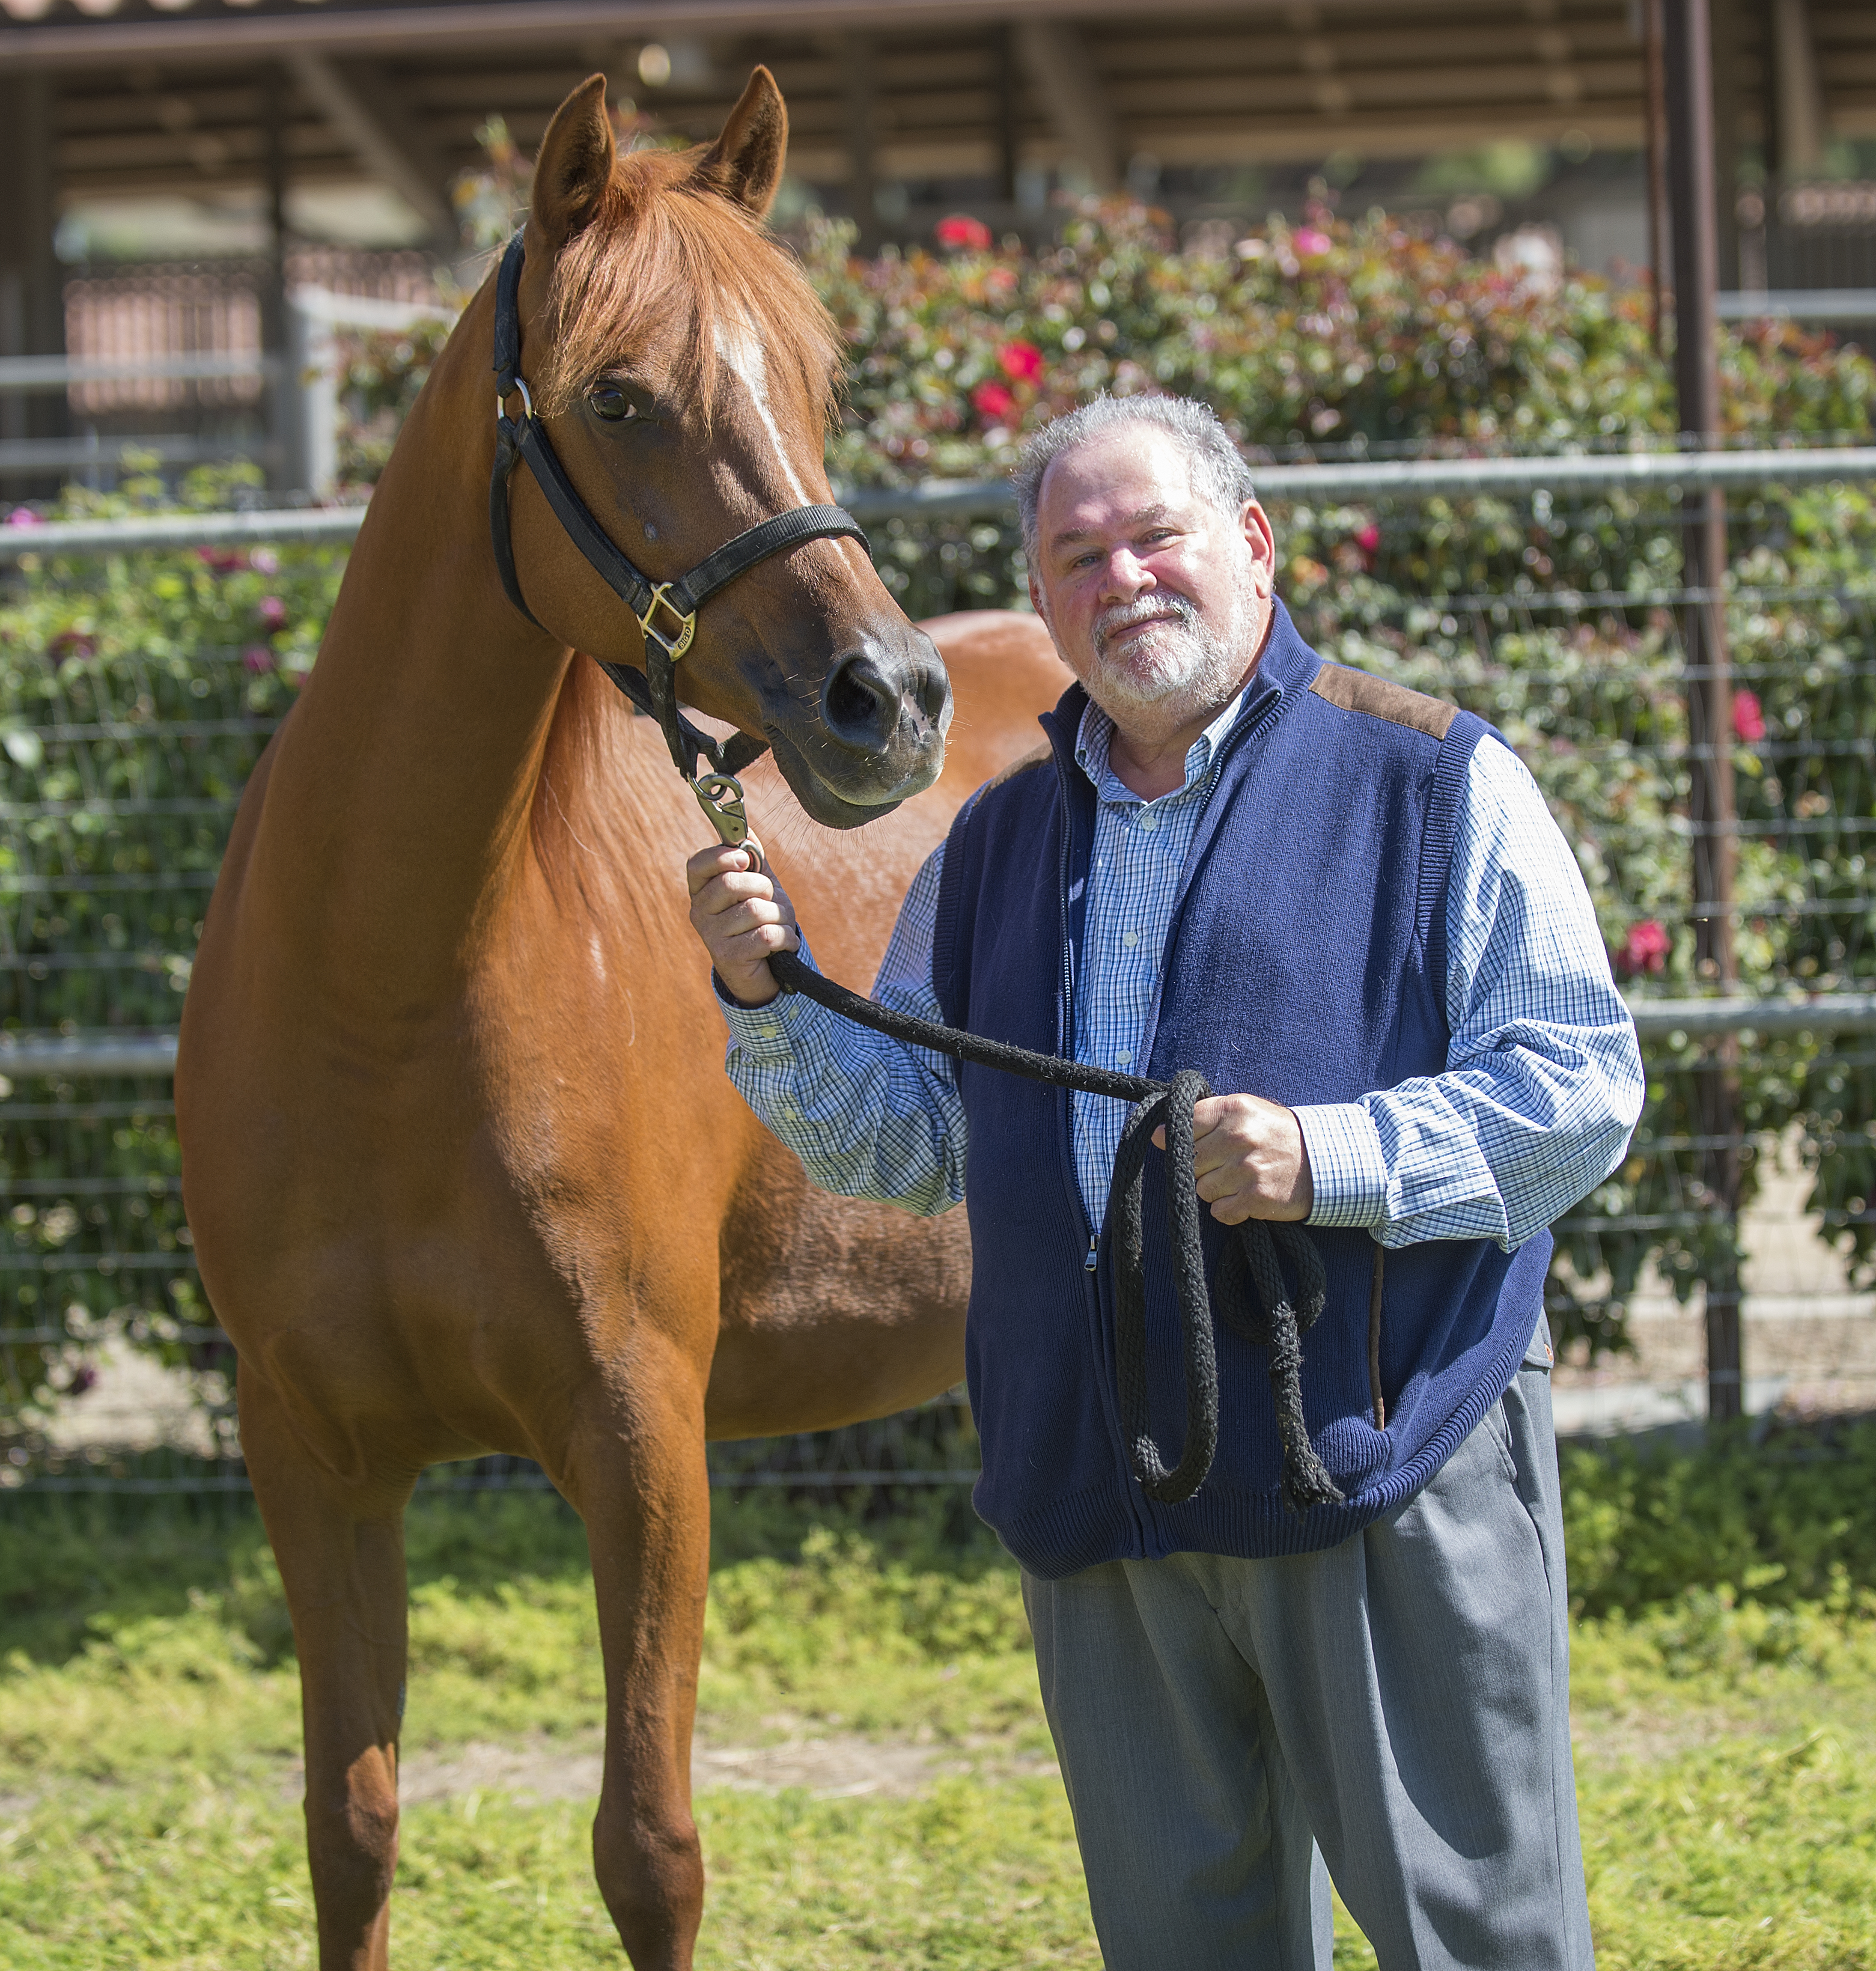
(675,646)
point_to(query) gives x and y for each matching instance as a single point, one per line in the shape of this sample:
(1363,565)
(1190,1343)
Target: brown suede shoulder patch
(1040,758)
(1355,691)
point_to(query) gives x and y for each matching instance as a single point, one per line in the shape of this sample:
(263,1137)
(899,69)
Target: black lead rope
(1250,1272)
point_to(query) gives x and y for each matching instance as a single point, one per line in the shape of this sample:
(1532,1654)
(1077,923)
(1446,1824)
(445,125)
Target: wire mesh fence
(137,690)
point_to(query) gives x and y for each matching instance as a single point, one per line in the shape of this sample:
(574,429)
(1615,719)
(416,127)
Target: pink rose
(1368,539)
(1748,717)
(1311,244)
(960,230)
(993,400)
(1021,362)
(257,659)
(272,612)
(25,516)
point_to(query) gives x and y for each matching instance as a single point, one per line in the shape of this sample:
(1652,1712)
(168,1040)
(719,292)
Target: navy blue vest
(1306,963)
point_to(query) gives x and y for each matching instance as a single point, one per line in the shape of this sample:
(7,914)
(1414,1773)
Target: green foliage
(1779,1523)
(136,693)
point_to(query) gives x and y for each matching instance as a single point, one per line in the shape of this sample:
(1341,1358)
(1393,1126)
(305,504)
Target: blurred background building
(179,171)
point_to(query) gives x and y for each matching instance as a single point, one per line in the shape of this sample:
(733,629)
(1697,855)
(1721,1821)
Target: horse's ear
(574,166)
(745,162)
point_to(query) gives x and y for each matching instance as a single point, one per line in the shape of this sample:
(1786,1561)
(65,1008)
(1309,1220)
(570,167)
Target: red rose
(1645,949)
(1021,362)
(1748,717)
(960,230)
(993,400)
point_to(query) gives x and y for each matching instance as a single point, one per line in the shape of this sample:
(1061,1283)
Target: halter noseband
(666,612)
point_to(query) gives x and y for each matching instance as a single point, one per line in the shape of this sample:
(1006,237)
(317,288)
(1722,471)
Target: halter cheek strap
(666,611)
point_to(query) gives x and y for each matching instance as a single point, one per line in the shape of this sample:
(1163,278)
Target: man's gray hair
(1219,472)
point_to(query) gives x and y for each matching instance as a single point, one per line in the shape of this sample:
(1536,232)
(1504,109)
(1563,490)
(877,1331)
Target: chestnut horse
(463,1170)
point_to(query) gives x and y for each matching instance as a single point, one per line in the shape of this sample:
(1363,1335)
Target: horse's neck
(397,807)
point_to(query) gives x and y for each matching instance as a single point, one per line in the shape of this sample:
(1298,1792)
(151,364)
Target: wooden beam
(357,102)
(1062,73)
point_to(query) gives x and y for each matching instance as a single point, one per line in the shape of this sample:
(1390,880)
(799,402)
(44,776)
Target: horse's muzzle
(883,710)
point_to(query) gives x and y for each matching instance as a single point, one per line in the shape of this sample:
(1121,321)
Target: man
(1346,905)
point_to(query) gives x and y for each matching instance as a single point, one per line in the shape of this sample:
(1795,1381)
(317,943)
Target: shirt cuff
(1347,1168)
(770,1032)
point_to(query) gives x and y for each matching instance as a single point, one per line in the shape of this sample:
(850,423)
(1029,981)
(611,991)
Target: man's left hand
(1250,1159)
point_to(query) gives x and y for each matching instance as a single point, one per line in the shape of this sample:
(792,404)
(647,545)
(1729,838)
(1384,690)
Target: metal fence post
(1688,64)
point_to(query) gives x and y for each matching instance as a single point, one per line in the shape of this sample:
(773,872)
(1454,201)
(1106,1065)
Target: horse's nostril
(861,706)
(934,694)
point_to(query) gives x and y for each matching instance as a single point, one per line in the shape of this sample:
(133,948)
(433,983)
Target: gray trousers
(1397,1706)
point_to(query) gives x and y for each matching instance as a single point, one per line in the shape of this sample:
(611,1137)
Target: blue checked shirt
(1543,1081)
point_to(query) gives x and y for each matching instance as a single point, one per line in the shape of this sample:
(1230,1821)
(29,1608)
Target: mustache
(1125,615)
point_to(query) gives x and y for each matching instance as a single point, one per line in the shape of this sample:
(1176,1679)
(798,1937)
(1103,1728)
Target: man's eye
(612,403)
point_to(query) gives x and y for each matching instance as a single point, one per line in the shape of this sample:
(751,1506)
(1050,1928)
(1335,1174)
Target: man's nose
(1127,575)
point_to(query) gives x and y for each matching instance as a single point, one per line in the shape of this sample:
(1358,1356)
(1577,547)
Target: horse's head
(687,373)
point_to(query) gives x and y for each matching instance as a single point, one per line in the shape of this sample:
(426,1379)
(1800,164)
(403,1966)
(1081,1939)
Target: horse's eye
(612,403)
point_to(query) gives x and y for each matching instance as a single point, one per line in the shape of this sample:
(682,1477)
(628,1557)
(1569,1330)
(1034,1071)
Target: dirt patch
(829,1768)
(1643,1737)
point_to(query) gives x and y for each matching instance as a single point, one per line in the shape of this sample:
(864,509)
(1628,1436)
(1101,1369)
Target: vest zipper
(1138,1510)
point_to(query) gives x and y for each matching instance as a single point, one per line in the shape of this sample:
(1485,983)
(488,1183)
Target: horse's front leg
(637,1475)
(341,1549)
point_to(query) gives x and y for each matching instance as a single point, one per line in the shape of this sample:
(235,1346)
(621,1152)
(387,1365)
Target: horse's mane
(662,240)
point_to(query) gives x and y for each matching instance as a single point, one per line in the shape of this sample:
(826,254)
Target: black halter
(666,610)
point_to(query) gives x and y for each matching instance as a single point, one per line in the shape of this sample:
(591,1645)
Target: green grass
(149,1727)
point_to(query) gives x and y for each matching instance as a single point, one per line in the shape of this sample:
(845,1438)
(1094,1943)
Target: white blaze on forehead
(739,345)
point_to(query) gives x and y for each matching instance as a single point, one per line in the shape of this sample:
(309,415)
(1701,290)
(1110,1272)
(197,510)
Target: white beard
(1175,671)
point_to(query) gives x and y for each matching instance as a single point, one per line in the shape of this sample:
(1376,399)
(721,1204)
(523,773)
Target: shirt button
(1148,823)
(1125,1057)
(768,1030)
(1130,939)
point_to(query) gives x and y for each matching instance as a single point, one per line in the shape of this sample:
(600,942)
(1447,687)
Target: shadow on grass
(73,1565)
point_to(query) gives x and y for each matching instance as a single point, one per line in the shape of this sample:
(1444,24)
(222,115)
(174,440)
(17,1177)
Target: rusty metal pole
(1655,101)
(1687,49)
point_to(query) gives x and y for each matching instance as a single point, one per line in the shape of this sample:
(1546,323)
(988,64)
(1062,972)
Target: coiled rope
(1250,1270)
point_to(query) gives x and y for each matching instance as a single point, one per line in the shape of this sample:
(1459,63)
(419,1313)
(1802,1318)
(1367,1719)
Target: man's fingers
(708,864)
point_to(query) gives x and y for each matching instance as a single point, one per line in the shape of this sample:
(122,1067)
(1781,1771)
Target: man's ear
(1036,600)
(1262,543)
(574,166)
(745,162)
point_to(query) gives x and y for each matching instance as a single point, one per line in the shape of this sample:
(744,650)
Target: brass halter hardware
(673,647)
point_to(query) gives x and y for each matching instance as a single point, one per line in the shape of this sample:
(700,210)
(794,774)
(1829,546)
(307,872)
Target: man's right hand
(742,914)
